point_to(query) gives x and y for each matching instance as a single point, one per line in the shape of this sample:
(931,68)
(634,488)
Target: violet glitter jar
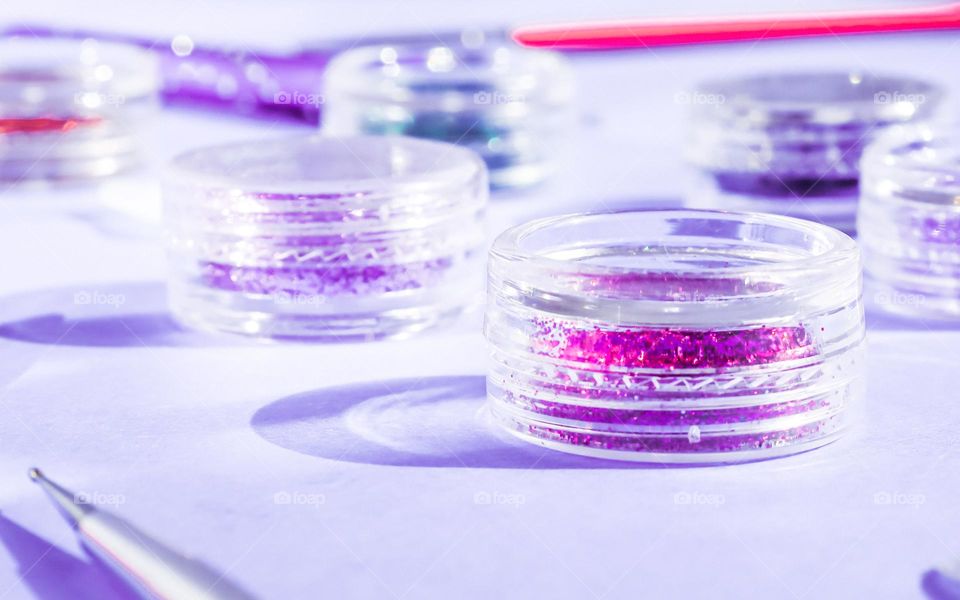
(330,238)
(791,143)
(909,222)
(510,105)
(675,336)
(72,110)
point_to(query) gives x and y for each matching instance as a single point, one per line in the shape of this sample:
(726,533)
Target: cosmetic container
(510,105)
(909,222)
(791,143)
(675,336)
(326,238)
(72,110)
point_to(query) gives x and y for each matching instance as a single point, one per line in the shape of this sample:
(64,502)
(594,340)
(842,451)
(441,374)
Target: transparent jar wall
(791,143)
(73,110)
(319,256)
(680,366)
(316,284)
(909,224)
(512,106)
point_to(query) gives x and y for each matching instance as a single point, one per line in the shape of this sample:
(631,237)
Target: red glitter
(44,124)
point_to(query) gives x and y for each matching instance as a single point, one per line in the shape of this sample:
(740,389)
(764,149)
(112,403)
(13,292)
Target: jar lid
(452,77)
(920,164)
(329,183)
(68,78)
(828,99)
(677,267)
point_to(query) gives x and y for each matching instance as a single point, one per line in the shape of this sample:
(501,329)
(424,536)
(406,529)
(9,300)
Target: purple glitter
(944,230)
(324,264)
(331,280)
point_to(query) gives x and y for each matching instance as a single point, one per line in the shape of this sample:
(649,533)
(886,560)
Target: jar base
(532,431)
(911,303)
(837,210)
(198,313)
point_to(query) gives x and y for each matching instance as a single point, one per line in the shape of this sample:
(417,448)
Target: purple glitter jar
(675,336)
(909,222)
(329,238)
(791,143)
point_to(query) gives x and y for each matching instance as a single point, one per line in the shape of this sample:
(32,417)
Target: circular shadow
(427,422)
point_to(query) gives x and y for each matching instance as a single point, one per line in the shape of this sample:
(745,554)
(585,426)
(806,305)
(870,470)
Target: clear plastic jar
(791,143)
(909,222)
(510,105)
(71,110)
(675,336)
(326,238)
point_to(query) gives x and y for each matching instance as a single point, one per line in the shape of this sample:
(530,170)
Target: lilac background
(399,488)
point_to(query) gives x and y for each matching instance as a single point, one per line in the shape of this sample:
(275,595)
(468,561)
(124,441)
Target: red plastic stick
(653,33)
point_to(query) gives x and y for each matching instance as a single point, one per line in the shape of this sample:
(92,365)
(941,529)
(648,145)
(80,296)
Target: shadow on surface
(428,422)
(939,586)
(98,315)
(878,320)
(49,573)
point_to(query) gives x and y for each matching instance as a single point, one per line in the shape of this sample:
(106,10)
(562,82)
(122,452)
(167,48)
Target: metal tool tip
(35,474)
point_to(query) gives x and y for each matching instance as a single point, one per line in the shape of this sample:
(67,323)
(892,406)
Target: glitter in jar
(324,238)
(696,337)
(669,348)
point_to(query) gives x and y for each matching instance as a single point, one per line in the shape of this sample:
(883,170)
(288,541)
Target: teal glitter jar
(509,104)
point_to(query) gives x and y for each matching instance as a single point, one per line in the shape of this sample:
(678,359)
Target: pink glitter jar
(676,336)
(325,238)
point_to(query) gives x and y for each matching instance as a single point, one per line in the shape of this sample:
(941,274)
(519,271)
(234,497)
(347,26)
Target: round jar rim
(841,247)
(452,166)
(350,71)
(895,156)
(901,97)
(133,71)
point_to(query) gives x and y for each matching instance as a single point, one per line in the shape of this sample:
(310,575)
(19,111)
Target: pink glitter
(677,443)
(669,349)
(665,418)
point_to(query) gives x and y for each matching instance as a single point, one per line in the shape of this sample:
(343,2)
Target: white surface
(388,493)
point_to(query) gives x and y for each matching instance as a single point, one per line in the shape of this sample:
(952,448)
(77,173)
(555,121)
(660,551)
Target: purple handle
(243,82)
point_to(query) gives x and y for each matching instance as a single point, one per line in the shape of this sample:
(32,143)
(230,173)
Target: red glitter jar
(72,110)
(675,336)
